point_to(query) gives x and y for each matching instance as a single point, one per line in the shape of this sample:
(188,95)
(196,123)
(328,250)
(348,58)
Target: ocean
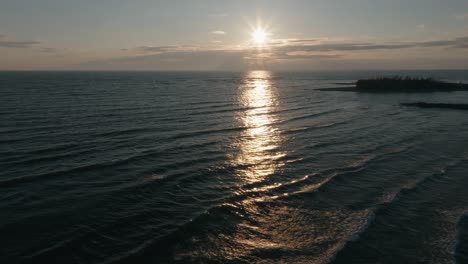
(217,167)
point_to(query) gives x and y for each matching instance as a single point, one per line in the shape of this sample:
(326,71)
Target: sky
(218,35)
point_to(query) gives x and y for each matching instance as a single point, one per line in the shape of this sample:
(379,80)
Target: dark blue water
(255,167)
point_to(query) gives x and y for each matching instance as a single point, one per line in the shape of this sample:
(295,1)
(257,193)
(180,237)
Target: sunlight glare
(259,37)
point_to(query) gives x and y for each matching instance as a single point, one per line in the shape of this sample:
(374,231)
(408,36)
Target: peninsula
(401,85)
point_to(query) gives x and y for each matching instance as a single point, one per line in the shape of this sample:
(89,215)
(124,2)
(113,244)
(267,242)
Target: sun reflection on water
(262,220)
(259,145)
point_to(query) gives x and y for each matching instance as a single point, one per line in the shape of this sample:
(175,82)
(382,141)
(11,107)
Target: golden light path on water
(270,226)
(261,226)
(258,145)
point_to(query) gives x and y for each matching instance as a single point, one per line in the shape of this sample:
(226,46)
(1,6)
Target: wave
(110,165)
(39,159)
(206,132)
(308,116)
(209,102)
(314,127)
(382,209)
(231,207)
(227,208)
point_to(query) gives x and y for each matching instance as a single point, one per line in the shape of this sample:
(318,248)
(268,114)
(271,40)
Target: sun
(259,37)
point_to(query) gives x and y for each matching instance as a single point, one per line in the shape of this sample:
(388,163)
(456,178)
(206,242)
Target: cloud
(307,56)
(301,40)
(279,52)
(311,47)
(460,43)
(421,26)
(174,60)
(48,50)
(155,49)
(330,46)
(218,32)
(7,43)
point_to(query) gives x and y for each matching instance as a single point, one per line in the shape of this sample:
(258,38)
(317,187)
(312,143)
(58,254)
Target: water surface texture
(255,167)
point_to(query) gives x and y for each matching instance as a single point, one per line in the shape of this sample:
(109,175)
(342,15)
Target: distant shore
(401,85)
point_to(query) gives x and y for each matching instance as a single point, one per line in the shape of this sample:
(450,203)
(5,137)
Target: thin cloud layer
(48,50)
(304,45)
(174,60)
(289,46)
(155,49)
(8,43)
(276,52)
(218,32)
